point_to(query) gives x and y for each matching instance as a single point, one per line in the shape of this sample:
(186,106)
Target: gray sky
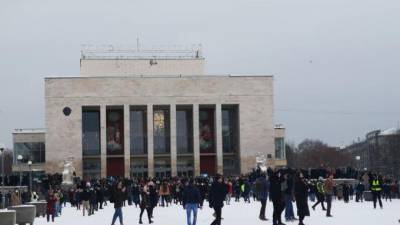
(336,62)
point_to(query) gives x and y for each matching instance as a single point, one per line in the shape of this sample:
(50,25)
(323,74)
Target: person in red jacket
(51,203)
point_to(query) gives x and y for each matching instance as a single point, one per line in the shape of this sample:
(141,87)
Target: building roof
(163,76)
(390,131)
(29,131)
(89,52)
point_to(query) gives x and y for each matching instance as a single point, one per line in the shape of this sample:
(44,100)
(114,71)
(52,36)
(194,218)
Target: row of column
(150,142)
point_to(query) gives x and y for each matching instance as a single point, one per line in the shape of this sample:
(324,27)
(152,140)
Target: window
(115,131)
(161,130)
(279,148)
(138,123)
(230,137)
(91,132)
(184,130)
(207,129)
(33,151)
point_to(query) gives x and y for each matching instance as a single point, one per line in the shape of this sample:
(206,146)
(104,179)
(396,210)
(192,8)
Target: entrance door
(115,167)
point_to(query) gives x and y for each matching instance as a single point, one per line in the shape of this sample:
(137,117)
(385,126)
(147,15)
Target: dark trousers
(279,206)
(218,212)
(52,217)
(376,195)
(328,204)
(117,214)
(148,213)
(263,206)
(320,199)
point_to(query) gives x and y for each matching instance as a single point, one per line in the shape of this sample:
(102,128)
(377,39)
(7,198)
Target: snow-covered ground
(239,214)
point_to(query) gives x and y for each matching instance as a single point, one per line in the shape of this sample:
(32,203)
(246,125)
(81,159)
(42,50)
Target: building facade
(378,152)
(157,116)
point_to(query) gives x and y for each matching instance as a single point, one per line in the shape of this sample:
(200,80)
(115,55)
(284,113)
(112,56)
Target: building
(378,152)
(30,144)
(156,113)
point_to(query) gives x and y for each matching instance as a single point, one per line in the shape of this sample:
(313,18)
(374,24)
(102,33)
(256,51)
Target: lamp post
(19,159)
(3,193)
(30,175)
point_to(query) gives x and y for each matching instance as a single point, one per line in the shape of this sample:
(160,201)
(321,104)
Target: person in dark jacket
(153,197)
(300,194)
(216,198)
(145,204)
(262,187)
(191,201)
(118,198)
(277,196)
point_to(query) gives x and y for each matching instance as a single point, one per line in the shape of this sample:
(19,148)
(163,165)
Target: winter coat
(301,196)
(191,195)
(145,200)
(217,195)
(118,197)
(276,193)
(262,188)
(51,202)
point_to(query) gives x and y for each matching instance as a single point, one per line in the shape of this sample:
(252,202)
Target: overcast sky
(335,62)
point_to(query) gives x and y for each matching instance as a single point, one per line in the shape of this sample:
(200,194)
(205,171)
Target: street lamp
(3,193)
(30,175)
(19,159)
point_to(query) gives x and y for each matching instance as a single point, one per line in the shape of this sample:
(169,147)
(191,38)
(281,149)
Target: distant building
(30,144)
(378,152)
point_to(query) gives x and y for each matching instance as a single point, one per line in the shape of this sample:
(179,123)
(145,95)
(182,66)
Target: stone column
(173,140)
(127,141)
(103,140)
(196,140)
(150,144)
(218,135)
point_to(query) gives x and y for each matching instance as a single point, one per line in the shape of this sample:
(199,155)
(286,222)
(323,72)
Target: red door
(115,167)
(208,165)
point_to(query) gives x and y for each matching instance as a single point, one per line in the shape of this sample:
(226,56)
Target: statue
(68,172)
(261,162)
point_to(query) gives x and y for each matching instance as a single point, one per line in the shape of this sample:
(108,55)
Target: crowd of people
(282,187)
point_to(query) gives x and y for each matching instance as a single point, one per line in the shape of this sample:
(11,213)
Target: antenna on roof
(137,43)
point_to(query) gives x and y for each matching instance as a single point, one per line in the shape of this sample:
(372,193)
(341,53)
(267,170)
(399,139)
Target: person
(359,192)
(153,197)
(376,188)
(277,196)
(85,196)
(328,188)
(118,199)
(230,191)
(145,204)
(216,198)
(288,195)
(262,187)
(300,194)
(15,200)
(320,194)
(164,193)
(50,206)
(191,201)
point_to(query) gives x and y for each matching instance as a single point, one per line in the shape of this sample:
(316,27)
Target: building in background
(153,113)
(30,144)
(379,152)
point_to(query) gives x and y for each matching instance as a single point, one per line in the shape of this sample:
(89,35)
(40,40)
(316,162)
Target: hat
(320,178)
